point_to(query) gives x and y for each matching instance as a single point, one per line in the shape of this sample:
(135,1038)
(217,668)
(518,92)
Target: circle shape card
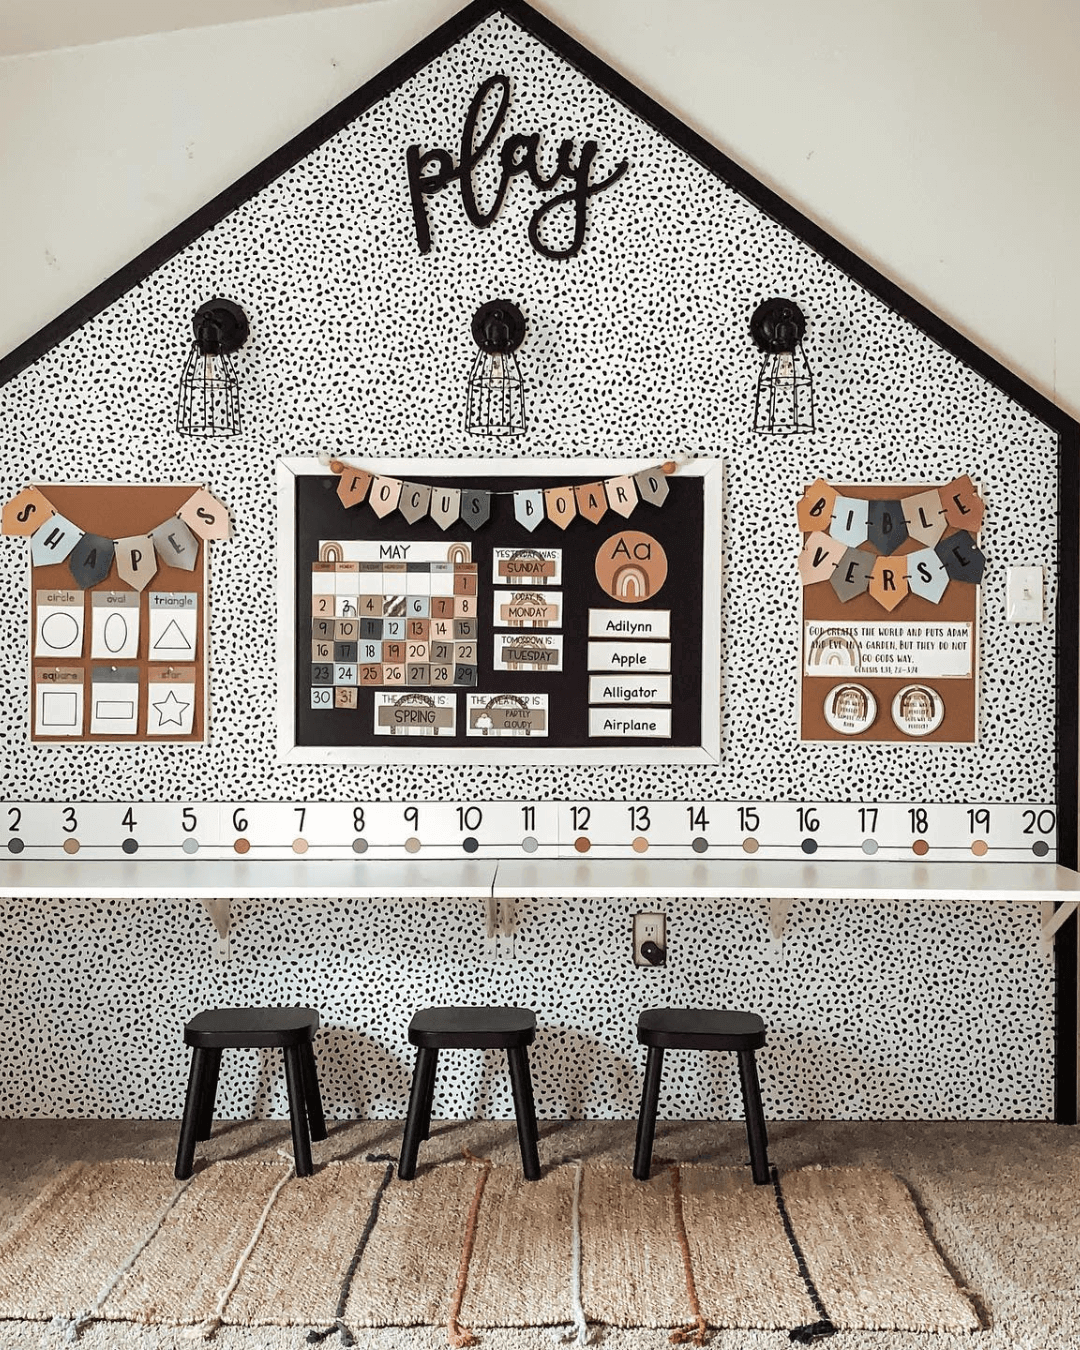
(850,708)
(631,566)
(918,710)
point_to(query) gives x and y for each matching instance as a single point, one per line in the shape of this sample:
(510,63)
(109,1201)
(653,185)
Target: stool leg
(189,1125)
(756,1134)
(423,1082)
(301,1140)
(316,1119)
(208,1094)
(525,1111)
(429,1094)
(646,1121)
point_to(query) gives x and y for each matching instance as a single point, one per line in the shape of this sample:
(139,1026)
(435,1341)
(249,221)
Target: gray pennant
(91,559)
(851,576)
(414,501)
(176,545)
(475,507)
(652,486)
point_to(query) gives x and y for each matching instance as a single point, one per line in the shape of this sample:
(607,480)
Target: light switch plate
(1024,595)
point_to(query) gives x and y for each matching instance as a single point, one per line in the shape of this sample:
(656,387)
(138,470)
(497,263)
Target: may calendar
(455,612)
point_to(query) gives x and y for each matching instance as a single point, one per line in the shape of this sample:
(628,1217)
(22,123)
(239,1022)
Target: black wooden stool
(702,1029)
(435,1029)
(217,1029)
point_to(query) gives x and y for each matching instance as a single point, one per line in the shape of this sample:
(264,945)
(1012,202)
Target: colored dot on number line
(582,844)
(640,844)
(242,846)
(71,846)
(979,847)
(412,845)
(750,845)
(299,845)
(920,848)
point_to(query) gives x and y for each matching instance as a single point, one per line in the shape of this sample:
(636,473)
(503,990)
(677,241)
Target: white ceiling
(43,25)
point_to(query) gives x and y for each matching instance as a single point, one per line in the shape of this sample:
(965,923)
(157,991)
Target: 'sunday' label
(633,689)
(641,722)
(618,623)
(629,656)
(941,651)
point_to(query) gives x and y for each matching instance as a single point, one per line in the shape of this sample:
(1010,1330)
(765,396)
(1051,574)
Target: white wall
(893,124)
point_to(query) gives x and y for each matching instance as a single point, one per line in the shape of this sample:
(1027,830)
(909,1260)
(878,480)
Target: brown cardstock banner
(959,604)
(117,512)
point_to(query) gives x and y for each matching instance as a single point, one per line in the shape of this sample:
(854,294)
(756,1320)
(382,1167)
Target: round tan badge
(850,708)
(917,710)
(631,566)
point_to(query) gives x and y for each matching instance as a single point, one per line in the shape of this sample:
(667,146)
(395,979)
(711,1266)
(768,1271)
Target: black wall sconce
(496,405)
(785,394)
(209,399)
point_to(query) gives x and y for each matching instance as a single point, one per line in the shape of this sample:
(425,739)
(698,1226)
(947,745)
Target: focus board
(410,630)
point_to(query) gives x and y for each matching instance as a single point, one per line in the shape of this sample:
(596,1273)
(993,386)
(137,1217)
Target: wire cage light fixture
(209,399)
(496,401)
(784,403)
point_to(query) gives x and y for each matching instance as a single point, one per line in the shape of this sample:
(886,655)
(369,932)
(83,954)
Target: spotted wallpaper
(638,346)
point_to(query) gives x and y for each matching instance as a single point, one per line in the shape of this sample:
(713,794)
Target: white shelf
(212,879)
(560,878)
(556,878)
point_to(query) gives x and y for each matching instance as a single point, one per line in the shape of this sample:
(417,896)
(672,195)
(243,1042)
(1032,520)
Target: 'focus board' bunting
(445,506)
(856,544)
(90,556)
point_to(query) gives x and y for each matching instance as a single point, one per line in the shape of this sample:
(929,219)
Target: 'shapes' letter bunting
(414,501)
(891,547)
(54,538)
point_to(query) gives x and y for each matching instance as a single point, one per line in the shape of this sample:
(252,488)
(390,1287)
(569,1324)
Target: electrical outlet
(650,939)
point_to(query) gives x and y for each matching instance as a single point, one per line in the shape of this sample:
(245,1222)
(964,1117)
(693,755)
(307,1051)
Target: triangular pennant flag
(24,513)
(353,485)
(475,507)
(206,515)
(963,559)
(819,557)
(136,561)
(888,581)
(176,545)
(529,508)
(621,495)
(91,559)
(962,505)
(415,498)
(561,506)
(591,501)
(926,574)
(384,495)
(652,486)
(445,506)
(924,517)
(53,541)
(815,511)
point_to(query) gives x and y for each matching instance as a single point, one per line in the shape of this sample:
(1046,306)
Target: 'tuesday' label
(529,651)
(940,651)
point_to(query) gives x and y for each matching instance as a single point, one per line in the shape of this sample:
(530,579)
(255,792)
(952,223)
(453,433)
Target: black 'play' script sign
(432,170)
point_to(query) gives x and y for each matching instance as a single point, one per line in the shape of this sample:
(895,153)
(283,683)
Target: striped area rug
(471,1246)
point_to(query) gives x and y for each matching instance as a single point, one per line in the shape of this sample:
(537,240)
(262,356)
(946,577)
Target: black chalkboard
(678,526)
